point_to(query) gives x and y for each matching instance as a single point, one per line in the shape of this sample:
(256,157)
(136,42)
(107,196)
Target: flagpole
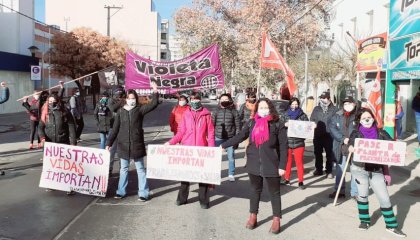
(74,80)
(258,83)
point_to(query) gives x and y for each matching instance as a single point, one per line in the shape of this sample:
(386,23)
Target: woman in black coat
(266,158)
(128,132)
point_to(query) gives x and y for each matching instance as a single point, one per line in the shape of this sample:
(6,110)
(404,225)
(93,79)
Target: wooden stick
(77,79)
(343,176)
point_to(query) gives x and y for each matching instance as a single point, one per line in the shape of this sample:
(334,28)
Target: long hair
(361,111)
(131,91)
(273,112)
(294,99)
(44,111)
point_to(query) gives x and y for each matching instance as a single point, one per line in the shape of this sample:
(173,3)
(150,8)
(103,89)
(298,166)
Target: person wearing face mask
(266,159)
(33,110)
(128,131)
(226,124)
(247,110)
(321,115)
(374,176)
(104,122)
(177,113)
(296,145)
(56,124)
(195,129)
(341,125)
(76,108)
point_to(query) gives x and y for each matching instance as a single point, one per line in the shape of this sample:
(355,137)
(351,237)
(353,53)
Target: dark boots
(252,221)
(275,226)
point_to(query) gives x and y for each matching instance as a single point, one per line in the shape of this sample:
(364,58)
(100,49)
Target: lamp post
(33,50)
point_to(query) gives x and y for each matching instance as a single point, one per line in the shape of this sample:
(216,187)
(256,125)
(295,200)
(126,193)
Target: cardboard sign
(73,168)
(184,163)
(300,129)
(379,152)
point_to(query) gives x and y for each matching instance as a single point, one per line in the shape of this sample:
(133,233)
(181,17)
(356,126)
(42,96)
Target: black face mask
(52,105)
(225,104)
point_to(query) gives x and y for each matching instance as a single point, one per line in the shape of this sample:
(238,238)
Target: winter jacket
(246,112)
(176,117)
(195,129)
(291,141)
(226,122)
(59,128)
(336,128)
(321,119)
(415,105)
(4,95)
(76,107)
(104,117)
(128,130)
(382,135)
(271,156)
(33,109)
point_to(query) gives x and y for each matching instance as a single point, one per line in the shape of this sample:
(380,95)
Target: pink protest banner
(184,163)
(379,152)
(73,168)
(202,70)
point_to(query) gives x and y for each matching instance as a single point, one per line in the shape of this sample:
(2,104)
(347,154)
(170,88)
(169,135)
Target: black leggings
(79,126)
(273,184)
(34,127)
(203,194)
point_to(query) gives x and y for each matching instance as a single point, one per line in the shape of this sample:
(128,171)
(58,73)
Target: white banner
(300,129)
(35,73)
(184,163)
(379,152)
(72,168)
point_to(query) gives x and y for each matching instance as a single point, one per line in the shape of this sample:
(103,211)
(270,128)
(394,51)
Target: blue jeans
(418,125)
(230,154)
(398,127)
(141,175)
(339,173)
(375,180)
(102,145)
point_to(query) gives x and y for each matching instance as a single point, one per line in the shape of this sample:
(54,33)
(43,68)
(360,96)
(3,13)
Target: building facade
(165,53)
(175,48)
(135,22)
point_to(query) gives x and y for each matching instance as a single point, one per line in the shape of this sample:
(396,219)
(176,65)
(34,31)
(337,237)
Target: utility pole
(66,19)
(108,27)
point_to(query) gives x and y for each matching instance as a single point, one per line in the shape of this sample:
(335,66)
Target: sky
(166,8)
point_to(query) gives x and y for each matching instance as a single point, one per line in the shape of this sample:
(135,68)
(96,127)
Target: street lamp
(33,50)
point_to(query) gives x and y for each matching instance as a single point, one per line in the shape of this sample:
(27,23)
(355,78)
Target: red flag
(375,100)
(271,58)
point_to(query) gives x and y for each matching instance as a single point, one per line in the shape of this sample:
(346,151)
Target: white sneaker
(231,178)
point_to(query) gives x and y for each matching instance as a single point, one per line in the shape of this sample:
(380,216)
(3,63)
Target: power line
(297,20)
(29,17)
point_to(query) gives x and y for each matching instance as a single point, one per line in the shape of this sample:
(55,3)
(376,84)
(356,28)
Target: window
(163,36)
(163,55)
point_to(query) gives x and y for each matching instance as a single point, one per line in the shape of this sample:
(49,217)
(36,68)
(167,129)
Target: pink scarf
(260,132)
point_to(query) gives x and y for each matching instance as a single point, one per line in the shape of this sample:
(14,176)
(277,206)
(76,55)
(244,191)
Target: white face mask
(349,108)
(77,94)
(325,100)
(367,123)
(131,102)
(36,97)
(263,112)
(182,103)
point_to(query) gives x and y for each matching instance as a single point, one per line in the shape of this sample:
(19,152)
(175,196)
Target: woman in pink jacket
(195,129)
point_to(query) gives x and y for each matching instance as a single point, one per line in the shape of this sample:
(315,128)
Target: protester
(226,125)
(415,105)
(33,109)
(247,110)
(195,129)
(4,97)
(296,145)
(177,113)
(342,124)
(266,158)
(76,108)
(374,176)
(56,124)
(128,132)
(104,121)
(398,120)
(322,138)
